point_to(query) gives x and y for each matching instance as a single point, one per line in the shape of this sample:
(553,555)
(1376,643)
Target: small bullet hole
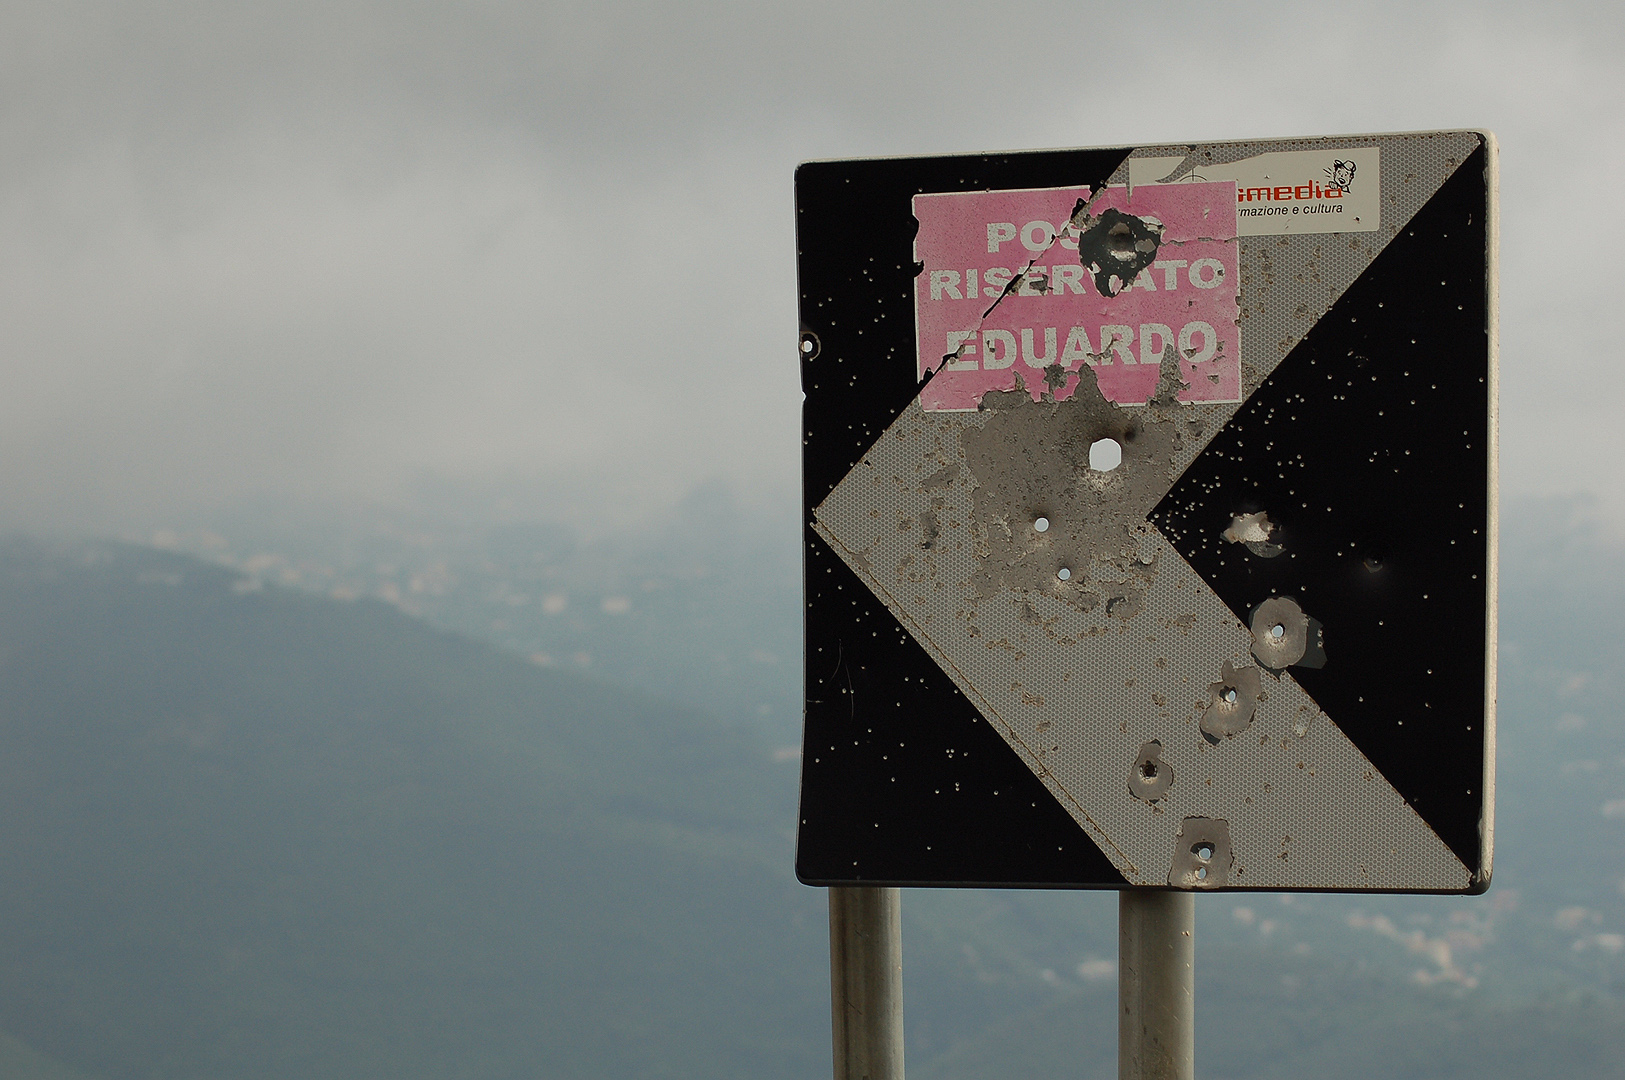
(1148,769)
(1277,631)
(1064,574)
(1204,852)
(1041,524)
(1229,695)
(1201,873)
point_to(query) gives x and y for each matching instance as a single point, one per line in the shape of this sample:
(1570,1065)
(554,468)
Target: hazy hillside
(270,835)
(254,832)
(701,606)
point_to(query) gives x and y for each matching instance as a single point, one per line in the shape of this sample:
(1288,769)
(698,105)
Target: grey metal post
(1156,984)
(866,982)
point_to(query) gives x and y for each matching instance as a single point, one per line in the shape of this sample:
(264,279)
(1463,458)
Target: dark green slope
(271,835)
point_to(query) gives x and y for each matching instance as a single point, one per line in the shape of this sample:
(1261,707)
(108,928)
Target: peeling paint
(942,477)
(1256,532)
(1202,854)
(1044,521)
(930,529)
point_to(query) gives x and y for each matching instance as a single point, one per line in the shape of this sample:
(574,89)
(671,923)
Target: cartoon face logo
(1341,175)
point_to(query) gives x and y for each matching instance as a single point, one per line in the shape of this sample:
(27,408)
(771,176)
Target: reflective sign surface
(1149,516)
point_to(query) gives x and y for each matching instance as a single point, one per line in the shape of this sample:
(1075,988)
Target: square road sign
(1150,521)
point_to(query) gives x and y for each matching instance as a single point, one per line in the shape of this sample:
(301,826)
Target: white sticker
(1294,191)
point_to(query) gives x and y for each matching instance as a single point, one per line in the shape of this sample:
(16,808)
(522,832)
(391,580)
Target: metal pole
(1156,983)
(866,982)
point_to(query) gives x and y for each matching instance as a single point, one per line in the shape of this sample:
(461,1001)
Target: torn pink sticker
(1028,287)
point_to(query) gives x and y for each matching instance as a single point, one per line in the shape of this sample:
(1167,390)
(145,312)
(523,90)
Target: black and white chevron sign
(1150,516)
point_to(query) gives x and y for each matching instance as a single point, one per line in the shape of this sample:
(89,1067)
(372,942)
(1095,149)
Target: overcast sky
(316,251)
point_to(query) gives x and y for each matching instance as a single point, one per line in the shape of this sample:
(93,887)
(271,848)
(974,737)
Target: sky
(327,252)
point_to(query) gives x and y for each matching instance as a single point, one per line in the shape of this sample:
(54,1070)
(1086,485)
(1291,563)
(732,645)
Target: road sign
(1150,531)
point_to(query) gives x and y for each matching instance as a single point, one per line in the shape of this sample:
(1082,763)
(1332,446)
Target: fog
(327,252)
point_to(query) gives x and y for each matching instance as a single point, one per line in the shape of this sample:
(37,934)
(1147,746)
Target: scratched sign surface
(1032,289)
(1150,516)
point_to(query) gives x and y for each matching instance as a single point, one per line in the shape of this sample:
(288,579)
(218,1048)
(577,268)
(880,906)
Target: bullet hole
(1150,777)
(1105,455)
(809,345)
(1232,703)
(1041,524)
(1064,573)
(1280,633)
(1115,247)
(1202,854)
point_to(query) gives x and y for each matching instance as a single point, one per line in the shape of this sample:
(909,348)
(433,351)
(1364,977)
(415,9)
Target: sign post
(1156,985)
(1150,528)
(866,982)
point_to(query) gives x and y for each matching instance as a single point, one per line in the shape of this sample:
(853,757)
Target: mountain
(264,834)
(251,831)
(700,603)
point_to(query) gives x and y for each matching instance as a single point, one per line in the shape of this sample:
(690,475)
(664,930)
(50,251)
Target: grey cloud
(317,249)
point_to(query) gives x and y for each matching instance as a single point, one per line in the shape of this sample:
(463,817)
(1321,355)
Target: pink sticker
(1028,287)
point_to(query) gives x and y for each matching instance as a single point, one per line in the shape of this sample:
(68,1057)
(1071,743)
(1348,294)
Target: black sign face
(1149,517)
